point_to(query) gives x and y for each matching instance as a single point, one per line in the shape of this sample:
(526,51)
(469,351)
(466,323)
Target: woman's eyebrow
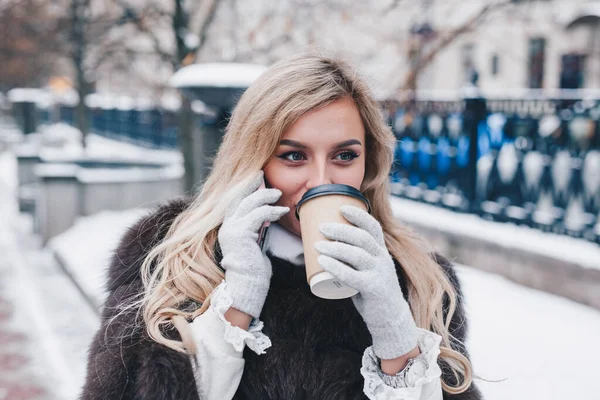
(299,145)
(292,143)
(347,143)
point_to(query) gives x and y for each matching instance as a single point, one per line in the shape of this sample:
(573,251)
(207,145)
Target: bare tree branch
(206,22)
(266,49)
(140,23)
(391,7)
(261,25)
(110,49)
(423,62)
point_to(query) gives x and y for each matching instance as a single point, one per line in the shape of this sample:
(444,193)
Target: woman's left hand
(372,272)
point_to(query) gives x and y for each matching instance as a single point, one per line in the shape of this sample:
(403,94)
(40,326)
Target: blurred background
(109,107)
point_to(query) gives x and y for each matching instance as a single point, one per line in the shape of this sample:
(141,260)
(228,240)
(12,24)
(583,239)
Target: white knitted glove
(373,274)
(247,269)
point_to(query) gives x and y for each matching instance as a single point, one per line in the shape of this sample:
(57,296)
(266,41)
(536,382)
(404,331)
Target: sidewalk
(45,323)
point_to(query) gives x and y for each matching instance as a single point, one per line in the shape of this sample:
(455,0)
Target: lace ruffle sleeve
(257,341)
(422,378)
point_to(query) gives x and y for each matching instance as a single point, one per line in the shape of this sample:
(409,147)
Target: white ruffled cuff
(422,376)
(220,302)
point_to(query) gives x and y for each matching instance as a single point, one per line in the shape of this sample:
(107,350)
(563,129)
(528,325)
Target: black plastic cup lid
(333,188)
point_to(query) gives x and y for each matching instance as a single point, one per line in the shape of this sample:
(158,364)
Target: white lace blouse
(218,364)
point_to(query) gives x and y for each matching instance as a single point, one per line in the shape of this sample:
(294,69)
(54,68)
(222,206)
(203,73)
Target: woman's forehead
(333,123)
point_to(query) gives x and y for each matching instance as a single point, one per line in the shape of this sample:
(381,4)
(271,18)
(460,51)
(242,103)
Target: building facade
(537,44)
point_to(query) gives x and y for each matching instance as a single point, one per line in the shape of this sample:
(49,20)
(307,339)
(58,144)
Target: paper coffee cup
(322,204)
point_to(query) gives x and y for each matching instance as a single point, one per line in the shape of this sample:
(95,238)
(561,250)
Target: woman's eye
(296,156)
(292,156)
(347,155)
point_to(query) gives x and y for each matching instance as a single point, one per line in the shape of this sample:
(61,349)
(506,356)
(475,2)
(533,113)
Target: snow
(108,175)
(8,173)
(571,250)
(9,208)
(143,104)
(45,143)
(200,108)
(125,103)
(56,170)
(66,378)
(56,349)
(107,101)
(85,249)
(60,131)
(191,40)
(68,97)
(42,96)
(546,347)
(170,102)
(437,95)
(539,94)
(505,93)
(25,94)
(217,75)
(535,343)
(98,100)
(99,146)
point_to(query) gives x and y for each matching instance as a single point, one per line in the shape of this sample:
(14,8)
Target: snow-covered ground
(8,183)
(63,142)
(540,345)
(86,248)
(545,346)
(54,319)
(50,310)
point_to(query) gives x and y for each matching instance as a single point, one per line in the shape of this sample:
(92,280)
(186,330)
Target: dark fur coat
(317,344)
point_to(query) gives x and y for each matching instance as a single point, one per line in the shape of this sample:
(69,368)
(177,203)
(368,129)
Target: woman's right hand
(247,269)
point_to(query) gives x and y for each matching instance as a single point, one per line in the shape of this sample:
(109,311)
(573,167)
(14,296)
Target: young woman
(197,311)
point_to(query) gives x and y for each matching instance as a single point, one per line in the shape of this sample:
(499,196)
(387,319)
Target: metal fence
(532,161)
(149,127)
(153,127)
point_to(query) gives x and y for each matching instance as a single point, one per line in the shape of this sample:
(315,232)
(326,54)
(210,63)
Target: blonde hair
(183,267)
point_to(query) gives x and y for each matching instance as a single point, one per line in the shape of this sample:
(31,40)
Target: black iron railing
(536,162)
(532,161)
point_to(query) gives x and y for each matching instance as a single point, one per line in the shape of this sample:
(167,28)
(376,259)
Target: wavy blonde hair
(183,267)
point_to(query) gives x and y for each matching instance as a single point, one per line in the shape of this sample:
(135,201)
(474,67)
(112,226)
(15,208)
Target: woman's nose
(319,176)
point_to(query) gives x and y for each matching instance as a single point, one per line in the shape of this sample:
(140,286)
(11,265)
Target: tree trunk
(186,143)
(194,143)
(78,57)
(81,113)
(186,119)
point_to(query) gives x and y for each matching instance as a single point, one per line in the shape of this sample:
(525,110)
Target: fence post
(474,115)
(27,115)
(206,138)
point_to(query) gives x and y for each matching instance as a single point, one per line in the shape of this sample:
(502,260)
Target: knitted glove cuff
(395,340)
(248,297)
(249,292)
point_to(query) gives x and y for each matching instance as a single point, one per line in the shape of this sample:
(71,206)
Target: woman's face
(324,146)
